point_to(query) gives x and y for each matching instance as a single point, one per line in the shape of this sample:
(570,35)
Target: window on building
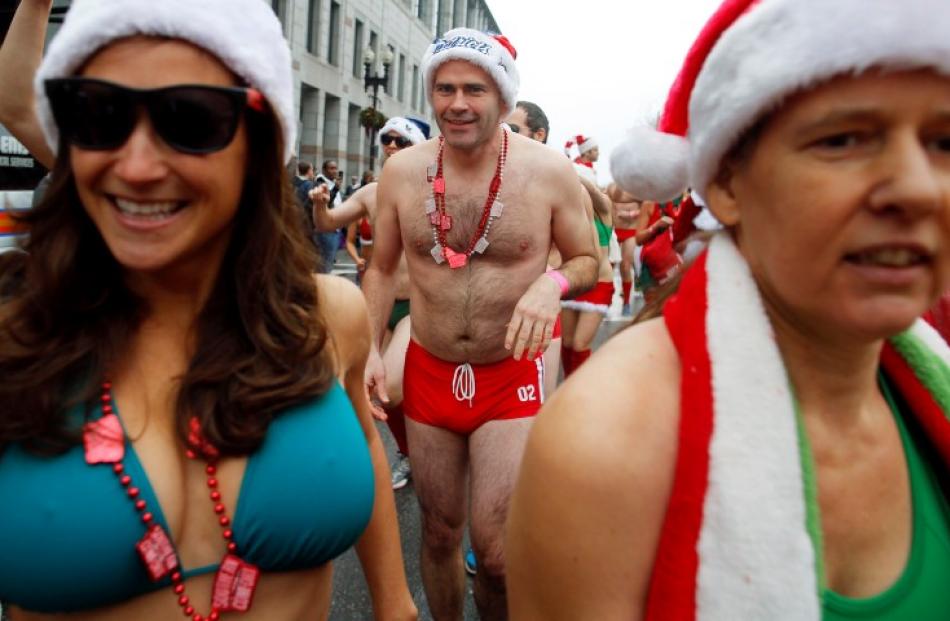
(333,53)
(280,9)
(415,87)
(358,49)
(401,76)
(313,26)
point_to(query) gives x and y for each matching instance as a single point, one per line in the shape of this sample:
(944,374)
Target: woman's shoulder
(342,309)
(625,398)
(595,482)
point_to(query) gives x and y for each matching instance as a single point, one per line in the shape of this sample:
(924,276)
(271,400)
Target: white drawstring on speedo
(463,383)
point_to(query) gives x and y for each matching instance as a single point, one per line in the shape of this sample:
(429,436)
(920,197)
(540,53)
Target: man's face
(330,171)
(593,155)
(518,120)
(466,103)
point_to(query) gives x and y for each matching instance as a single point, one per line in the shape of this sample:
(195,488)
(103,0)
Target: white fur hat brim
(245,35)
(483,51)
(786,46)
(404,127)
(777,48)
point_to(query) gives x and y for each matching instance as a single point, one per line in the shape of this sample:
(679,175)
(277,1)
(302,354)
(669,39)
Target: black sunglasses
(97,115)
(516,129)
(401,142)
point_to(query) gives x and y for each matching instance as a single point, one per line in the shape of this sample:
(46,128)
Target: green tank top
(920,593)
(603,231)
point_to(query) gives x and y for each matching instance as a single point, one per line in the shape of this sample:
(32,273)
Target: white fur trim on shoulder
(932,339)
(481,50)
(651,165)
(756,558)
(245,35)
(781,47)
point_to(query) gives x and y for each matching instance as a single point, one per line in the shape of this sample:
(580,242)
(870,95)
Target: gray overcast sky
(597,67)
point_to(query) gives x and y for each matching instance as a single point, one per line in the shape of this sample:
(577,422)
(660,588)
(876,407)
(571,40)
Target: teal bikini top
(68,533)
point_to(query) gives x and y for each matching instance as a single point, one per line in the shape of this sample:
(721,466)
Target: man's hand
(532,323)
(361,264)
(375,379)
(320,195)
(663,223)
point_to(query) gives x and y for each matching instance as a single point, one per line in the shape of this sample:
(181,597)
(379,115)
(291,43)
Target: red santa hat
(750,57)
(583,143)
(491,52)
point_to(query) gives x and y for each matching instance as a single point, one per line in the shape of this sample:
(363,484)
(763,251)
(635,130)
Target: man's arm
(532,323)
(601,202)
(380,278)
(20,58)
(354,208)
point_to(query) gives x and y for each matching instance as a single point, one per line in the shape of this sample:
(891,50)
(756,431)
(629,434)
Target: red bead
(147,517)
(106,398)
(232,547)
(189,611)
(210,469)
(227,533)
(219,508)
(118,468)
(140,505)
(216,495)
(107,409)
(214,616)
(197,617)
(132,492)
(224,521)
(183,600)
(212,482)
(176,577)
(125,480)
(190,454)
(107,385)
(179,589)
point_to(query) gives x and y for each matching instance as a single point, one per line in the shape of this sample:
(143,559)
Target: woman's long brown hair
(66,316)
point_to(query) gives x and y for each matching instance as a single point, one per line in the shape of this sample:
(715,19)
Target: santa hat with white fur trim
(405,128)
(493,53)
(584,144)
(245,35)
(750,57)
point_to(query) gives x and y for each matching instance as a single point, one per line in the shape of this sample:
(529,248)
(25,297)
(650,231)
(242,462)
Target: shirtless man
(480,318)
(626,211)
(398,134)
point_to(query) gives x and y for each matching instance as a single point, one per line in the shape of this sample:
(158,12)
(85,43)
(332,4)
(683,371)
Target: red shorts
(625,234)
(463,397)
(597,300)
(557,328)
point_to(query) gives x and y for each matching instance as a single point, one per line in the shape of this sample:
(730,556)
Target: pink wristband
(558,277)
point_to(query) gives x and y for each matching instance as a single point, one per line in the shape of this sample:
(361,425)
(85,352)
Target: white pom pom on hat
(245,35)
(751,56)
(493,53)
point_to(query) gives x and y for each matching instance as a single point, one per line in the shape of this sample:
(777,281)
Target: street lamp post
(374,81)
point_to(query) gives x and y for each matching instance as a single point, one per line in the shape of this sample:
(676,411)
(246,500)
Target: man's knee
(442,536)
(491,562)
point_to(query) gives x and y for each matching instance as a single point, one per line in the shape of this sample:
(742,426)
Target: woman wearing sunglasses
(789,460)
(397,134)
(184,429)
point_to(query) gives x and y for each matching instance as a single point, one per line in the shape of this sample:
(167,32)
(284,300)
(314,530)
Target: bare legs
(440,463)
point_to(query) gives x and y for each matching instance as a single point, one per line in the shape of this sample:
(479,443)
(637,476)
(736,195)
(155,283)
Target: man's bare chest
(517,230)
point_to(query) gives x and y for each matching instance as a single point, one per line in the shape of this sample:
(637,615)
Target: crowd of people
(190,400)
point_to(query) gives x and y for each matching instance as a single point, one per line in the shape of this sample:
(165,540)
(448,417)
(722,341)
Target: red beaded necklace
(441,221)
(236,580)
